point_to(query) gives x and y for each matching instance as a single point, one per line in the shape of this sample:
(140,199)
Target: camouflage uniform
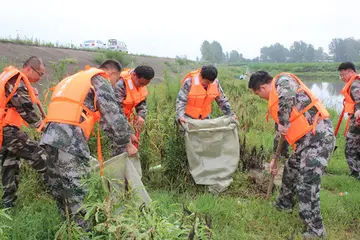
(120,95)
(67,145)
(181,100)
(17,144)
(284,153)
(304,168)
(352,146)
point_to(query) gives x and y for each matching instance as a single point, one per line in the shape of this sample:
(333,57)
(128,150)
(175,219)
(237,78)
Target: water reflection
(327,89)
(328,93)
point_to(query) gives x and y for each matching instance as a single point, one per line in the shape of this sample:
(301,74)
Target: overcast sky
(170,28)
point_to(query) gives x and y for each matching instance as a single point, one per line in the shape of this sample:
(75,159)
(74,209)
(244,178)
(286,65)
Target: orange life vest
(9,116)
(67,104)
(199,100)
(299,125)
(349,104)
(134,95)
(190,75)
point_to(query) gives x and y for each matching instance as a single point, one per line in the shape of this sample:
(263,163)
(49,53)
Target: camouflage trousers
(16,145)
(65,173)
(352,152)
(302,174)
(117,150)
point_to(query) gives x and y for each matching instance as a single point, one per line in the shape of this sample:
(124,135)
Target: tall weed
(122,57)
(112,213)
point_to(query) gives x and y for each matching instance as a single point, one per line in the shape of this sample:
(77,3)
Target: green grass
(317,76)
(37,42)
(69,60)
(3,63)
(125,59)
(36,215)
(255,218)
(27,41)
(240,213)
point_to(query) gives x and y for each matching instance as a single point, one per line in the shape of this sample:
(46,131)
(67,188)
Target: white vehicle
(93,44)
(117,45)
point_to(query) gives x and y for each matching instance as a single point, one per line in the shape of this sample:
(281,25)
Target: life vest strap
(4,111)
(99,151)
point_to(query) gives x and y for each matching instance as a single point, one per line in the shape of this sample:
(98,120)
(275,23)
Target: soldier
(77,103)
(351,92)
(309,131)
(199,89)
(16,109)
(130,92)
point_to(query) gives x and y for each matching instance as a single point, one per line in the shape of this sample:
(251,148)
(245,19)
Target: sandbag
(121,167)
(212,148)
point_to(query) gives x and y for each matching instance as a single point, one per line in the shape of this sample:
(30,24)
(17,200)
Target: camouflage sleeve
(120,94)
(141,109)
(181,100)
(113,123)
(286,91)
(355,94)
(23,104)
(223,102)
(285,147)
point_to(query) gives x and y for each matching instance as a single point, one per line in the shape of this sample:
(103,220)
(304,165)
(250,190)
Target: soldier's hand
(134,139)
(283,130)
(357,117)
(273,168)
(139,123)
(182,120)
(36,91)
(131,149)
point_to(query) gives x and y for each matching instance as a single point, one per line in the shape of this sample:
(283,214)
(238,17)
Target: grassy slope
(235,216)
(254,218)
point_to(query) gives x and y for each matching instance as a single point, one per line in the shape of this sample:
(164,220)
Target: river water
(327,91)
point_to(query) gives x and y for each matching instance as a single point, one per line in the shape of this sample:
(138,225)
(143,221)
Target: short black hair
(34,62)
(347,65)
(111,64)
(209,72)
(146,72)
(259,78)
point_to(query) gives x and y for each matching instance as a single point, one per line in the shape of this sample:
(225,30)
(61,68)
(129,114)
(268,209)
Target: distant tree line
(347,49)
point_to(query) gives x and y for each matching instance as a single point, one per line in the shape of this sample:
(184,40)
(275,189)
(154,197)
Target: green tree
(234,56)
(347,49)
(212,52)
(218,55)
(206,51)
(310,53)
(352,49)
(337,49)
(298,51)
(242,57)
(319,54)
(274,53)
(227,57)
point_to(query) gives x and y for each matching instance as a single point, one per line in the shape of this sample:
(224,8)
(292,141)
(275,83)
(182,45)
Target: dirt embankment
(17,54)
